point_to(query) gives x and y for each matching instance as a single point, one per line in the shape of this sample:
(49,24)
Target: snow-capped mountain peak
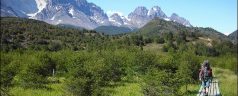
(166,19)
(155,8)
(175,17)
(156,12)
(116,19)
(140,11)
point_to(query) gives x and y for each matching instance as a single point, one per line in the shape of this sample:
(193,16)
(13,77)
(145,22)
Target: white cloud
(110,12)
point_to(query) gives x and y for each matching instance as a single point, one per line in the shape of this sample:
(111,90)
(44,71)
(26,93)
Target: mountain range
(83,14)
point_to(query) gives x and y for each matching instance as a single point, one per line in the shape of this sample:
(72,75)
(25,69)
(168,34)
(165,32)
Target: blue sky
(218,14)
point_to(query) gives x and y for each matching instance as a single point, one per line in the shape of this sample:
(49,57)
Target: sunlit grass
(227,81)
(153,47)
(55,89)
(192,89)
(126,89)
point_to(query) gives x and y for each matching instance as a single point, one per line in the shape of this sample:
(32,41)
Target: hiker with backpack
(205,75)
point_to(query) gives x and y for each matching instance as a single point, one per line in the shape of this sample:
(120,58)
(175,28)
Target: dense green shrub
(36,71)
(159,40)
(10,67)
(144,61)
(160,83)
(91,71)
(203,50)
(8,73)
(188,69)
(83,84)
(114,68)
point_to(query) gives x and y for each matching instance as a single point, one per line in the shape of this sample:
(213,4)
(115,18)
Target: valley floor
(227,83)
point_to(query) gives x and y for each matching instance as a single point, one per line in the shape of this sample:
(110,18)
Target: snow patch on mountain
(112,20)
(155,9)
(166,19)
(176,18)
(53,18)
(71,11)
(115,22)
(58,22)
(41,4)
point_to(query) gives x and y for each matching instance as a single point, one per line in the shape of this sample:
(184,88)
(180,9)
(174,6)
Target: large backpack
(206,73)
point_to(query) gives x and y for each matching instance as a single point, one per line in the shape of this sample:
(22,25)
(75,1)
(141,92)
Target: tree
(83,79)
(148,40)
(160,40)
(184,73)
(138,40)
(144,61)
(35,74)
(160,83)
(83,84)
(114,69)
(168,36)
(8,72)
(55,46)
(203,50)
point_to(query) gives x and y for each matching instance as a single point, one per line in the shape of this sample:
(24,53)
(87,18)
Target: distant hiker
(205,75)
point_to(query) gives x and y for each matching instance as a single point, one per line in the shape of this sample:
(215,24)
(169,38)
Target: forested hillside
(159,26)
(113,30)
(162,58)
(37,35)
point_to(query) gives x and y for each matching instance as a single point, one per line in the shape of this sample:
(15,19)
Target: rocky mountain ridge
(82,13)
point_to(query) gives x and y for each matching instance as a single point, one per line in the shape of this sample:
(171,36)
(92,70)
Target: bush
(165,48)
(148,40)
(144,61)
(8,73)
(113,69)
(83,85)
(160,40)
(35,74)
(203,50)
(9,68)
(55,46)
(32,80)
(160,83)
(83,75)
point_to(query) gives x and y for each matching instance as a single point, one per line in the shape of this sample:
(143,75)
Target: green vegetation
(126,89)
(157,27)
(113,30)
(227,81)
(39,59)
(54,90)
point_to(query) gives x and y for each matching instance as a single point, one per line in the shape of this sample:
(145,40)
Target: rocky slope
(233,36)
